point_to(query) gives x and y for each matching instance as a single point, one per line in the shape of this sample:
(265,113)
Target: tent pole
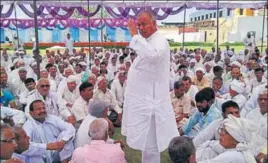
(184,19)
(16,20)
(217,44)
(37,56)
(101,21)
(88,21)
(263,21)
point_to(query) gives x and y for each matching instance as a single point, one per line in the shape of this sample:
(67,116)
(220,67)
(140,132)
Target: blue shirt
(201,120)
(6,97)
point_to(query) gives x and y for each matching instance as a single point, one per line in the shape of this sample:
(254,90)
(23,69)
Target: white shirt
(80,109)
(192,92)
(254,83)
(118,91)
(82,138)
(147,94)
(65,96)
(227,157)
(239,99)
(69,44)
(109,98)
(50,103)
(211,132)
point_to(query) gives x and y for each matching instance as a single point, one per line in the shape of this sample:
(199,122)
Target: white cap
(72,78)
(237,86)
(99,79)
(33,63)
(236,63)
(82,63)
(193,60)
(199,69)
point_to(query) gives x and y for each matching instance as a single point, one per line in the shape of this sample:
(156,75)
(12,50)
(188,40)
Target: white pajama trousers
(151,153)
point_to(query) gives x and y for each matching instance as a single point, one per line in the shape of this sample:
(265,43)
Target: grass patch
(134,156)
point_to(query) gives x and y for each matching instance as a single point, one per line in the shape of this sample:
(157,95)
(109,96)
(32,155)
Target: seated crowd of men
(219,100)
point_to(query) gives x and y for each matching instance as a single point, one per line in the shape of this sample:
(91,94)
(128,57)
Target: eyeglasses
(43,86)
(9,141)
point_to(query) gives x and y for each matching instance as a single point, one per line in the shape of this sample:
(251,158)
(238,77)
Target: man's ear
(192,159)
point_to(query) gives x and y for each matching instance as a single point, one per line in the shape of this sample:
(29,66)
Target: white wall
(246,24)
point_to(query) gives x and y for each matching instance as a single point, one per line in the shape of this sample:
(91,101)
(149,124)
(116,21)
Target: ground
(134,156)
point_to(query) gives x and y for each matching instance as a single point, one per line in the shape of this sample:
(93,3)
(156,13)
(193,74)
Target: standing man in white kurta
(69,43)
(148,118)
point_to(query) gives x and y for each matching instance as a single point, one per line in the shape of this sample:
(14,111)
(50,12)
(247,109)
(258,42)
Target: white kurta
(147,94)
(69,44)
(211,132)
(64,97)
(118,91)
(227,157)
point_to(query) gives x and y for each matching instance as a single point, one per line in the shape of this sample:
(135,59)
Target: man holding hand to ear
(148,118)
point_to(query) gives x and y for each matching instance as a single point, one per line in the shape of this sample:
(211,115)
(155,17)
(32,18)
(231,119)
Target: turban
(209,63)
(199,69)
(33,63)
(96,107)
(22,69)
(7,112)
(82,63)
(192,61)
(236,63)
(243,131)
(72,78)
(237,86)
(99,79)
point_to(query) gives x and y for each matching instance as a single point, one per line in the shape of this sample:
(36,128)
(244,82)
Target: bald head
(146,24)
(149,14)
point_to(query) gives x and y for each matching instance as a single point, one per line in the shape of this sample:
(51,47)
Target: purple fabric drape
(9,11)
(125,12)
(51,22)
(54,11)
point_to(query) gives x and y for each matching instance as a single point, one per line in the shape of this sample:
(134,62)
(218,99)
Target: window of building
(241,11)
(214,15)
(228,12)
(198,18)
(210,15)
(191,19)
(195,18)
(220,13)
(207,16)
(202,17)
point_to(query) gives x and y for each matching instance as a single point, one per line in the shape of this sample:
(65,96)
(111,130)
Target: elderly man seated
(8,143)
(199,79)
(259,116)
(98,151)
(97,109)
(211,132)
(181,150)
(102,92)
(236,91)
(67,96)
(50,133)
(48,97)
(237,139)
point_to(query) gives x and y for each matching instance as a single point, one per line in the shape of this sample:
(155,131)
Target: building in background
(233,24)
(202,26)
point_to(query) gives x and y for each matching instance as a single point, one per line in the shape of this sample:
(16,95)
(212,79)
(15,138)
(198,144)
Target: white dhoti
(151,153)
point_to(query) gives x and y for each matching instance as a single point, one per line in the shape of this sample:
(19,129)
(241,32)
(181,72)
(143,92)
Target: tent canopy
(139,3)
